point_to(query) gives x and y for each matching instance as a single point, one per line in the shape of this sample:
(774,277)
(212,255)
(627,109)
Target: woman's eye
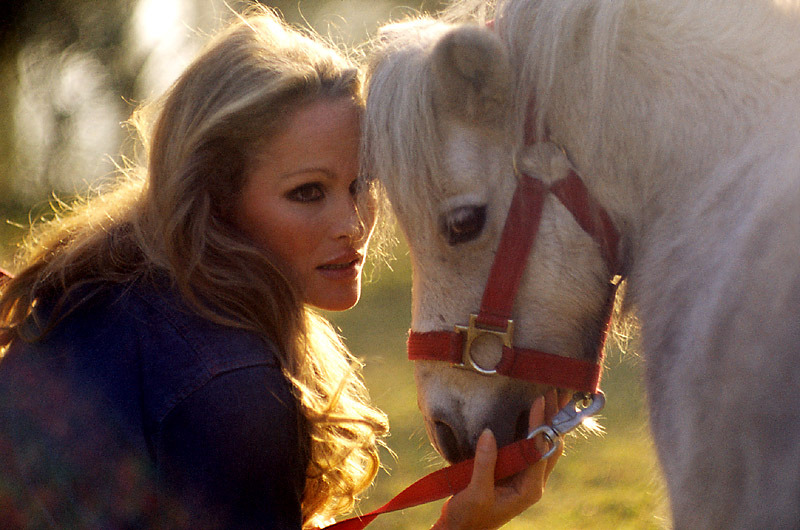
(356,187)
(306,193)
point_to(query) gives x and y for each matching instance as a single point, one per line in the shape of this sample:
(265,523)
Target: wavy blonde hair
(172,216)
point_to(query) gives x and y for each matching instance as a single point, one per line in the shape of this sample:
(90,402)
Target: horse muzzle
(455,438)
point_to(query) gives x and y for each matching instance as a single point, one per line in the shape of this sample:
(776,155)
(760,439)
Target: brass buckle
(473,331)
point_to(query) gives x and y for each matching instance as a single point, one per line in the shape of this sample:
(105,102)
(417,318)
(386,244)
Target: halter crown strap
(592,217)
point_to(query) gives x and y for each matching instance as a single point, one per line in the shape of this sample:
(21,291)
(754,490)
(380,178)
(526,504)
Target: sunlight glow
(155,21)
(164,37)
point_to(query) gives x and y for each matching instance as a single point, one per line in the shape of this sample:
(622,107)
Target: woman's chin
(333,301)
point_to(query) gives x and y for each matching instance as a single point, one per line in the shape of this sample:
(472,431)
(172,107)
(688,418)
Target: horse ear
(472,76)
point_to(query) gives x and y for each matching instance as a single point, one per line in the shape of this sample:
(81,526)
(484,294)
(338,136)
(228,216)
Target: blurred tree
(71,71)
(40,42)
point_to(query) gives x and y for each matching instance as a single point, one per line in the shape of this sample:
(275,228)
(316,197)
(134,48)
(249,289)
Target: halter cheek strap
(505,276)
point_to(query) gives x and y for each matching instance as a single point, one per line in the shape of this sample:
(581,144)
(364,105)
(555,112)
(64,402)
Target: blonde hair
(174,217)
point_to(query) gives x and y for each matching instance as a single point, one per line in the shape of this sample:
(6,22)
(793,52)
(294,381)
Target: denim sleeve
(233,451)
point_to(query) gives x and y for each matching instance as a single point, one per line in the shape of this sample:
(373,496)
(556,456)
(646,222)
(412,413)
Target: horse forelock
(403,146)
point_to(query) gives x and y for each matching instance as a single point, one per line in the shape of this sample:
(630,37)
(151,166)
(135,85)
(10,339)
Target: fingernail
(538,404)
(485,440)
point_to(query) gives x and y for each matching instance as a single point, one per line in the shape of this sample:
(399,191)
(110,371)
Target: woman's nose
(350,224)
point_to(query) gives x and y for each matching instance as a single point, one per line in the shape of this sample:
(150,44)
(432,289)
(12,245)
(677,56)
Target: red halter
(494,317)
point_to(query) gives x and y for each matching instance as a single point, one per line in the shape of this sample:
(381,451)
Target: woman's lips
(344,267)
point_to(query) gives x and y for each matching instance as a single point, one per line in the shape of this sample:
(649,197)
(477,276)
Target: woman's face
(299,202)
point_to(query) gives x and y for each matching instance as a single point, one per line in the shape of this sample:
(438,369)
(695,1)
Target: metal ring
(472,332)
(551,437)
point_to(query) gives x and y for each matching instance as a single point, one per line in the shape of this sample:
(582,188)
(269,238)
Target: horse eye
(463,224)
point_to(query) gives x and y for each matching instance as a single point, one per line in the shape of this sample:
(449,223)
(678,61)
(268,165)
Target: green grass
(601,482)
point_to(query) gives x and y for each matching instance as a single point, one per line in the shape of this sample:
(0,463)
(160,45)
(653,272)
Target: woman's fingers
(551,407)
(474,507)
(485,460)
(564,396)
(538,413)
(484,504)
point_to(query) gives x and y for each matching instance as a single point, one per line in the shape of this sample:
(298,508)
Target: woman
(162,363)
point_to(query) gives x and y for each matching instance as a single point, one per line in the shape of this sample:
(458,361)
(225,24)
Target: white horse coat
(683,118)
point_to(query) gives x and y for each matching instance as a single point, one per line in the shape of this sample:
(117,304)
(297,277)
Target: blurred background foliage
(71,72)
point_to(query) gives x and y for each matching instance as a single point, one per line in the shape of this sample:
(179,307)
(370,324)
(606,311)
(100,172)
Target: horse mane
(630,72)
(614,83)
(535,32)
(538,57)
(399,113)
(665,60)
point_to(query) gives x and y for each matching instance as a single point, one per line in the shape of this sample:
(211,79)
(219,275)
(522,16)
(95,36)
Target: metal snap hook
(581,407)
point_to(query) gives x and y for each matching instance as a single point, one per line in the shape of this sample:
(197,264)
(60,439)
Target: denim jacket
(136,412)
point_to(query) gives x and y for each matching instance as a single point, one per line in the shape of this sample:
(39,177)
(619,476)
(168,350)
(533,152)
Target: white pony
(683,119)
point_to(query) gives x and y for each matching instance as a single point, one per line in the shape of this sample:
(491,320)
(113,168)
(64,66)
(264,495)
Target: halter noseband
(494,317)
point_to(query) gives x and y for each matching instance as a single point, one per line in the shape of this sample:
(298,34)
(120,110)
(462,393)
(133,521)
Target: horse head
(444,134)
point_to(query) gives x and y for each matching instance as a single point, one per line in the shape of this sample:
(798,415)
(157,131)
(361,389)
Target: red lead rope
(448,481)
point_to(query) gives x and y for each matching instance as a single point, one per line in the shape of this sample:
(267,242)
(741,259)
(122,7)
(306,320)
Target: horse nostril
(521,426)
(447,442)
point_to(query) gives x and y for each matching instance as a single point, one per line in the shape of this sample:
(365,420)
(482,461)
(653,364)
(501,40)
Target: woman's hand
(484,504)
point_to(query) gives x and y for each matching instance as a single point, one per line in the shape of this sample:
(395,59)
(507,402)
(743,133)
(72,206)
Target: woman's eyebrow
(328,173)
